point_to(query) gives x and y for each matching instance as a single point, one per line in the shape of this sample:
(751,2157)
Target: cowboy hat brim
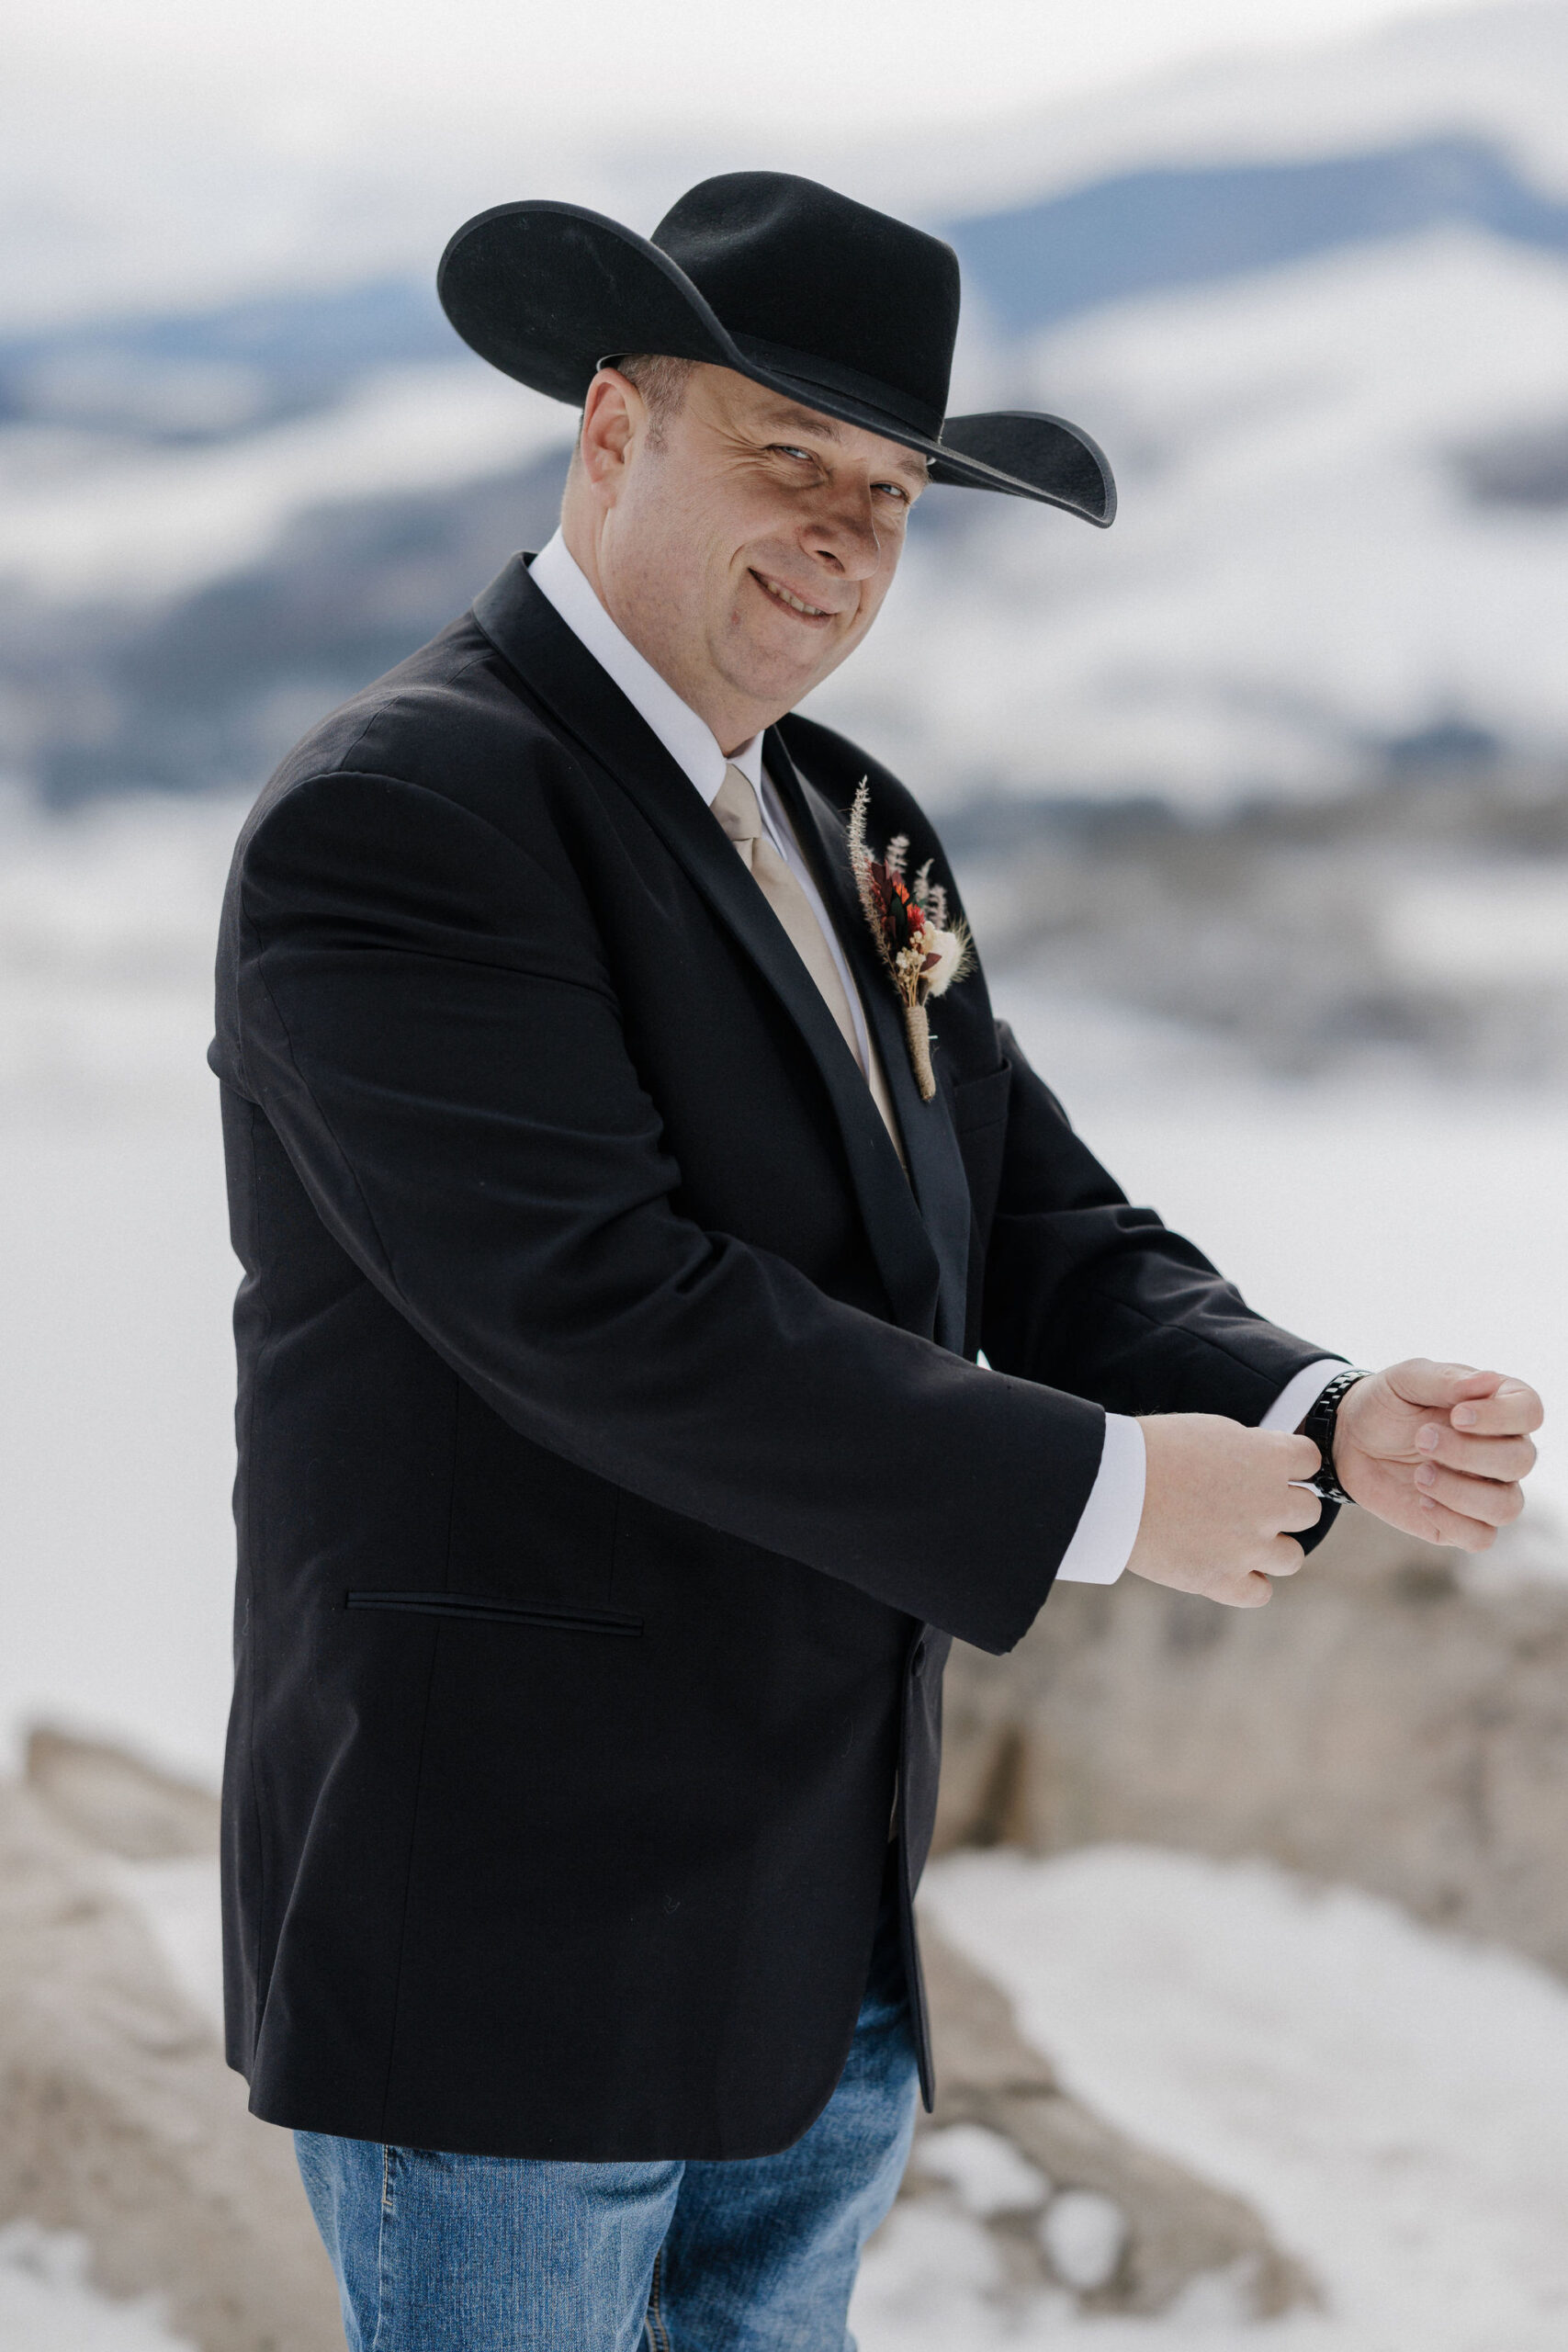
(547,291)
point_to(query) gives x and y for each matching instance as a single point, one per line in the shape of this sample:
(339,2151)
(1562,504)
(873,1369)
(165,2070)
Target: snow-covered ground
(1393,2101)
(116,1376)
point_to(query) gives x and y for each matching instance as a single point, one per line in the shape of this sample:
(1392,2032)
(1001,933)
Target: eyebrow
(810,419)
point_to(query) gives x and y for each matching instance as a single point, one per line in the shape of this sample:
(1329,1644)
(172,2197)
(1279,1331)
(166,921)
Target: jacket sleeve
(425,1017)
(1086,1293)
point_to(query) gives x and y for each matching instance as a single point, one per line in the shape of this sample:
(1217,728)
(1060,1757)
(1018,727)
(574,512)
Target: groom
(627,1171)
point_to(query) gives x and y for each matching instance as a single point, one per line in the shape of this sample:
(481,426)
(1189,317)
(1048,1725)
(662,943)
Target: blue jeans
(501,2253)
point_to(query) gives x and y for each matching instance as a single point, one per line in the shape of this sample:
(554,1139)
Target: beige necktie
(736,808)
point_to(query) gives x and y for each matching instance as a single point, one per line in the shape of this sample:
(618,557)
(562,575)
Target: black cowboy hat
(843,309)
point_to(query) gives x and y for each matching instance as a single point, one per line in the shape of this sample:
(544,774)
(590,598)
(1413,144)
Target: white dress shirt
(688,739)
(1103,1538)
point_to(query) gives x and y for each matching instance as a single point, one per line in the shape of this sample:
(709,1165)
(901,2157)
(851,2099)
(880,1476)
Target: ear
(615,420)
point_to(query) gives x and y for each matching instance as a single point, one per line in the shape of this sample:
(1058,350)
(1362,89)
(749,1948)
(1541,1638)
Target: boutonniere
(923,952)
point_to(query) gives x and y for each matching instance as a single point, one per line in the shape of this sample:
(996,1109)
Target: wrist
(1326,1424)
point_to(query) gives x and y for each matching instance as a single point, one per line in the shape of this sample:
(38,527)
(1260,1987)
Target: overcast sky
(177,151)
(307,70)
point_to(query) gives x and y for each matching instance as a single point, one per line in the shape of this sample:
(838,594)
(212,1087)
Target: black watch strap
(1319,1425)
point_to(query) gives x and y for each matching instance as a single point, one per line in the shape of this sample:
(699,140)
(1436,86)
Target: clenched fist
(1220,1512)
(1437,1449)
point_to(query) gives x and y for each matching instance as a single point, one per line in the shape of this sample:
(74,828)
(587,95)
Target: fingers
(1493,1404)
(1249,1585)
(1285,1556)
(1487,1499)
(1239,1589)
(1481,1457)
(1298,1457)
(1220,1508)
(1299,1511)
(1420,1381)
(1513,1410)
(1440,1525)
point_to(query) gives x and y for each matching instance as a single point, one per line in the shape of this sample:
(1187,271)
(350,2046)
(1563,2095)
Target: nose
(842,535)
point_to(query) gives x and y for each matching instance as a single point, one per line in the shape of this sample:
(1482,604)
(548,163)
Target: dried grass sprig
(923,954)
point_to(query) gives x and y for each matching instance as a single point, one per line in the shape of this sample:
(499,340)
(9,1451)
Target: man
(622,1212)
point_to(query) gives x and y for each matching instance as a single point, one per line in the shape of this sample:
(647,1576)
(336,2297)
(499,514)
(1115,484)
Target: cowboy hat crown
(806,291)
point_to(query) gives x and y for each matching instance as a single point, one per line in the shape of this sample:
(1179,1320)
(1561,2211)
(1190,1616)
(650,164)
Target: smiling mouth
(781,596)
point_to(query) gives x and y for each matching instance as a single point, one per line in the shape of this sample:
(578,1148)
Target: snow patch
(986,2171)
(1084,2234)
(1393,2100)
(47,2304)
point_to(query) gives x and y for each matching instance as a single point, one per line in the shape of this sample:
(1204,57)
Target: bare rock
(118,1804)
(1397,1717)
(1080,2206)
(118,2118)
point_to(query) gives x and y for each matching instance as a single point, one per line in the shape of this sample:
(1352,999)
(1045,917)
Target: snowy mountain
(1343,541)
(1316,310)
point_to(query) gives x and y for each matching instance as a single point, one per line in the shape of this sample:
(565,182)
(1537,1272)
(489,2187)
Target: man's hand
(1437,1449)
(1220,1510)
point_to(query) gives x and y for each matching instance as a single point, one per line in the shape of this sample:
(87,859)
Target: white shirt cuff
(1293,1403)
(1103,1538)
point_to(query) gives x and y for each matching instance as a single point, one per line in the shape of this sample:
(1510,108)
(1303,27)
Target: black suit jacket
(613,1471)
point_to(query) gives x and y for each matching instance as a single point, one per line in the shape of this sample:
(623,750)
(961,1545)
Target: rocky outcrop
(1397,1717)
(118,2118)
(115,1803)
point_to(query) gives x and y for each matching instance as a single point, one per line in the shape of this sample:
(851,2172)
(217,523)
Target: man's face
(746,547)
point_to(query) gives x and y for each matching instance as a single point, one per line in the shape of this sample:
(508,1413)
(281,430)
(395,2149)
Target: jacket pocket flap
(497,1612)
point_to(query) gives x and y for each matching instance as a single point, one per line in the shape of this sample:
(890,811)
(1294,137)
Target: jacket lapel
(930,1139)
(526,628)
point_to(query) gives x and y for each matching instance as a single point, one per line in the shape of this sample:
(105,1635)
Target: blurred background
(1260,802)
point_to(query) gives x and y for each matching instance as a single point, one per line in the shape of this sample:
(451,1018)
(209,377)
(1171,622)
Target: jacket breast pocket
(478,1609)
(981,1101)
(979,1120)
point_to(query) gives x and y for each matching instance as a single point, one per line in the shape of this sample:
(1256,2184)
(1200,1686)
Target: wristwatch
(1319,1425)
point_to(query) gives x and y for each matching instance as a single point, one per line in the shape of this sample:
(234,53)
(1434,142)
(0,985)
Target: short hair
(661,379)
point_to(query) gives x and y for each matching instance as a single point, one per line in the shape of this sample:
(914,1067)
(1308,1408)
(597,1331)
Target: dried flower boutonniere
(924,954)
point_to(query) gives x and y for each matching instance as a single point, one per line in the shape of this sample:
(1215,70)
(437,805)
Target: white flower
(950,947)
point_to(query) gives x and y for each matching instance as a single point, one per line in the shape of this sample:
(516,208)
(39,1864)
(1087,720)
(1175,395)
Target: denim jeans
(498,2253)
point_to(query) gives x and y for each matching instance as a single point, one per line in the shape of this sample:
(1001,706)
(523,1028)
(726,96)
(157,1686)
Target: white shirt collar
(688,740)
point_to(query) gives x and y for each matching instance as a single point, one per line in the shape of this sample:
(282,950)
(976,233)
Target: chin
(765,675)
